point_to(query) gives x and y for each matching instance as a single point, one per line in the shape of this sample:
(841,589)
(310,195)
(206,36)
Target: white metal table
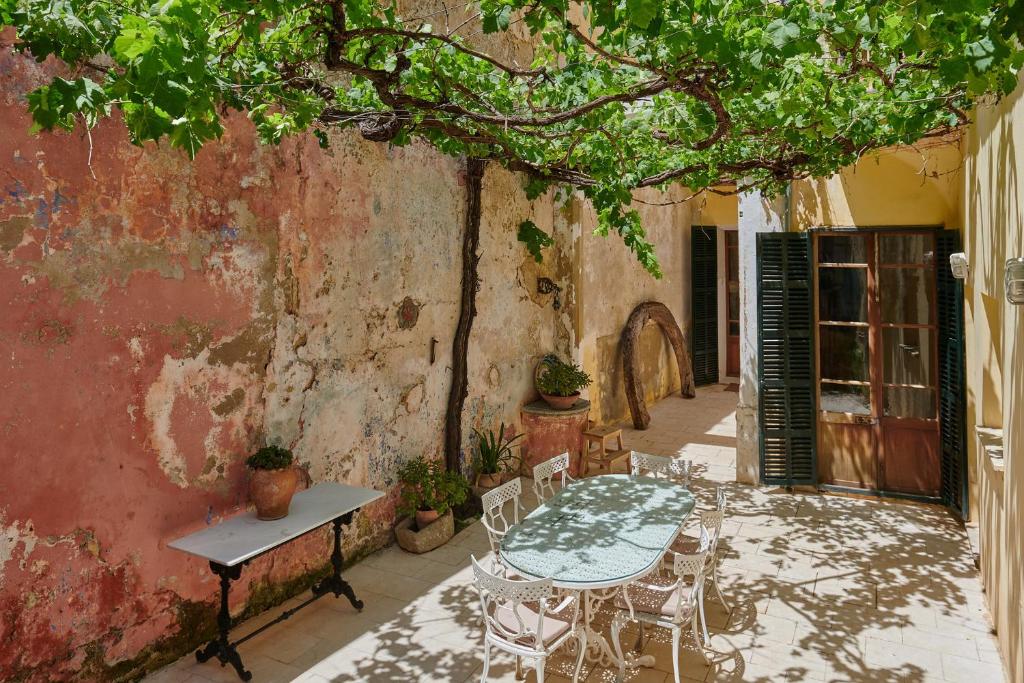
(596,535)
(235,542)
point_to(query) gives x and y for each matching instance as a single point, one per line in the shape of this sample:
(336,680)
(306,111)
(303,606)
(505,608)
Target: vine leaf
(534,238)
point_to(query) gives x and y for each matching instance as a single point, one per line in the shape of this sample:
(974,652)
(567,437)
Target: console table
(235,542)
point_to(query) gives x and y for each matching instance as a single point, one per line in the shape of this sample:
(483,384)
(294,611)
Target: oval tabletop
(599,532)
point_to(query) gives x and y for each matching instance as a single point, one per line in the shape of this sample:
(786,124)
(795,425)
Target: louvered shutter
(952,396)
(786,359)
(704,304)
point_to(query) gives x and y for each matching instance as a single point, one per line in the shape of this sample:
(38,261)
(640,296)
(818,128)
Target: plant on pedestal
(559,383)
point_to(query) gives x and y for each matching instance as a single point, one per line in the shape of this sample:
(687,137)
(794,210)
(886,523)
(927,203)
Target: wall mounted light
(958,264)
(1015,281)
(547,286)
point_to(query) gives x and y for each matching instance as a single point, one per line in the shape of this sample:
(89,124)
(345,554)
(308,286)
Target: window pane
(844,352)
(843,294)
(901,402)
(907,356)
(842,249)
(905,249)
(843,398)
(734,303)
(905,294)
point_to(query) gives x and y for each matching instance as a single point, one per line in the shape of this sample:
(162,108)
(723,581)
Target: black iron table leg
(222,648)
(334,583)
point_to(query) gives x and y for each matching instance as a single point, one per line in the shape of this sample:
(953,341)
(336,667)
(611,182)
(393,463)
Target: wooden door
(732,303)
(876,353)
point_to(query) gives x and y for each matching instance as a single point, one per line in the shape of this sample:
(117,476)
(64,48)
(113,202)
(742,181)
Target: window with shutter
(952,396)
(787,412)
(704,304)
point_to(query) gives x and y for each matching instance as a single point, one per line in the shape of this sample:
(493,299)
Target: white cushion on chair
(552,627)
(652,601)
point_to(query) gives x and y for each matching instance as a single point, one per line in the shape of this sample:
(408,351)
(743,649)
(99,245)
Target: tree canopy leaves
(606,96)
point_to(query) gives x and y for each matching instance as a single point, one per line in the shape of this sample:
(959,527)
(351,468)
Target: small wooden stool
(602,455)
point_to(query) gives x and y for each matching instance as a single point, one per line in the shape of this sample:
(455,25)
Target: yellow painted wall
(893,187)
(993,220)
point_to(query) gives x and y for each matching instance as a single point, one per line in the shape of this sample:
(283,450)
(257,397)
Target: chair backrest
(544,476)
(502,601)
(493,503)
(679,472)
(711,524)
(689,565)
(656,465)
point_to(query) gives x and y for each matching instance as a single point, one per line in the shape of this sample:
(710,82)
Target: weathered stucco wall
(162,317)
(612,283)
(993,220)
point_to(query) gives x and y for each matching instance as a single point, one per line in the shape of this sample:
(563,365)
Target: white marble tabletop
(243,537)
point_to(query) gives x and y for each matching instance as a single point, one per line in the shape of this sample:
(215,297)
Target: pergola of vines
(604,96)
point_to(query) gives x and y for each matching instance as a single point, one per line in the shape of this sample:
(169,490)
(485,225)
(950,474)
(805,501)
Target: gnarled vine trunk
(467,311)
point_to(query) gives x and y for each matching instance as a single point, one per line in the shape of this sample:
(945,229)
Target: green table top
(599,532)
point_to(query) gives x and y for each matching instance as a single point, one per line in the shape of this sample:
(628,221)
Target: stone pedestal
(552,432)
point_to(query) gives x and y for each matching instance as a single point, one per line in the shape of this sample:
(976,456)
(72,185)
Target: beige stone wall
(993,222)
(612,283)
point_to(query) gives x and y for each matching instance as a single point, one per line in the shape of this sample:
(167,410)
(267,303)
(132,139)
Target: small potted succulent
(559,383)
(429,492)
(494,456)
(272,481)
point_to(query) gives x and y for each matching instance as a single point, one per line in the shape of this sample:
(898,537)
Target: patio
(823,588)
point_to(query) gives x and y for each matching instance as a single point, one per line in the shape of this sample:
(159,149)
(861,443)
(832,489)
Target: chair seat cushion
(552,627)
(686,545)
(658,602)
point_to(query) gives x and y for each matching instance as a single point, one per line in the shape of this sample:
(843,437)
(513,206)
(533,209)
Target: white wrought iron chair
(679,472)
(544,476)
(518,620)
(668,601)
(657,466)
(494,519)
(710,534)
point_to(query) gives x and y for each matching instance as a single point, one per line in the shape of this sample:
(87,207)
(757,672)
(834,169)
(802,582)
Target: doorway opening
(877,361)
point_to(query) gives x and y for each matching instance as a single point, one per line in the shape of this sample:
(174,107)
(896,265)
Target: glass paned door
(876,353)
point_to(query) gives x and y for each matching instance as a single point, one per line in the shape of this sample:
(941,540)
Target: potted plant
(429,492)
(559,383)
(493,456)
(272,481)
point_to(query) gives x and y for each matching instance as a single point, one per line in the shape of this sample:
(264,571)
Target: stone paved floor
(823,588)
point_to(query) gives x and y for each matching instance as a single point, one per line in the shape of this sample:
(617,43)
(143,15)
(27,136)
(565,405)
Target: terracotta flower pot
(271,491)
(425,517)
(489,480)
(560,402)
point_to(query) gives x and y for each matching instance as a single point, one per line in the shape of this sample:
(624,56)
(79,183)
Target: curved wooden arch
(659,313)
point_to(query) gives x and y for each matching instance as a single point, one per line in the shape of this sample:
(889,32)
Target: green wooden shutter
(704,304)
(787,412)
(952,390)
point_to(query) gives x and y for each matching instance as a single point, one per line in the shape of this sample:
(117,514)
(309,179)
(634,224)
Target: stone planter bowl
(424,540)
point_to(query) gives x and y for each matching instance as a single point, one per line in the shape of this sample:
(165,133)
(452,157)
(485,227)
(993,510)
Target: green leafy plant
(494,452)
(557,378)
(611,98)
(270,458)
(426,485)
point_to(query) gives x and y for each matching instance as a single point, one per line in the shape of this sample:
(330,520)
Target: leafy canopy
(604,96)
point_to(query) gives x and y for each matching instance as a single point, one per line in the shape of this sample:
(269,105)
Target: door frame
(876,358)
(723,305)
